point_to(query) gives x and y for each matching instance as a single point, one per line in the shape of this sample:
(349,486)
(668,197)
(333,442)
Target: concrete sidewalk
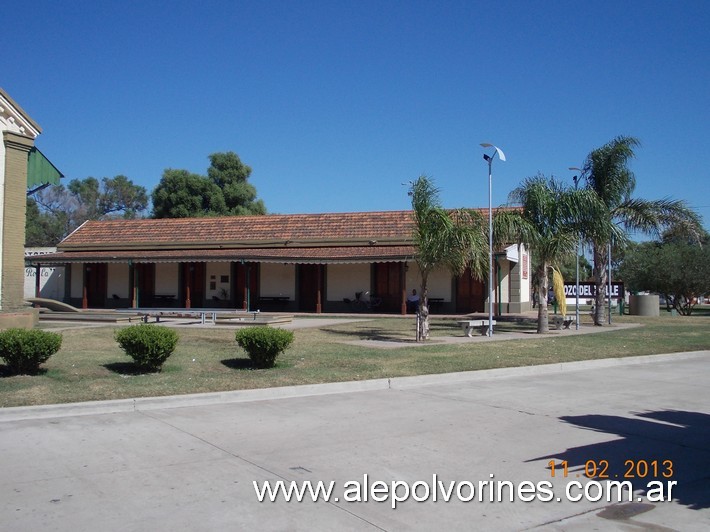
(181,465)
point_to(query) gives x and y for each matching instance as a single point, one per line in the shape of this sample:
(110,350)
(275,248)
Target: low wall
(25,319)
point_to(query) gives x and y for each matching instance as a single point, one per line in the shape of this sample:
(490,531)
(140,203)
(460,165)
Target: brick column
(14,208)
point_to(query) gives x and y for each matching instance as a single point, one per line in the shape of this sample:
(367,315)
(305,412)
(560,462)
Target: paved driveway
(190,464)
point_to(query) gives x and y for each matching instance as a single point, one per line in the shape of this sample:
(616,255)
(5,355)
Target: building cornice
(14,118)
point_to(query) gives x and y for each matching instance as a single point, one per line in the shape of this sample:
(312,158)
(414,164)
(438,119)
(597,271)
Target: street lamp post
(489,160)
(576,316)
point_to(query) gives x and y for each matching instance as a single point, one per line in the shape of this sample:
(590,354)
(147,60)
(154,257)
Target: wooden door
(193,280)
(95,281)
(388,286)
(145,283)
(470,293)
(310,287)
(245,274)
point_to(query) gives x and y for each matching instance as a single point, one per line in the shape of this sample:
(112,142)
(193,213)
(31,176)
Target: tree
(181,194)
(229,173)
(607,174)
(568,269)
(451,239)
(225,191)
(112,196)
(43,229)
(677,269)
(547,221)
(54,212)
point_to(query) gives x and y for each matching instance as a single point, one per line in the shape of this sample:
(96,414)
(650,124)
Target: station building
(283,263)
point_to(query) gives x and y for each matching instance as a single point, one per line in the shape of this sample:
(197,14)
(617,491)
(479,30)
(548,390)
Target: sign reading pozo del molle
(588,290)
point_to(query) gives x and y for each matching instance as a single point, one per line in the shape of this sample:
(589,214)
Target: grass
(91,366)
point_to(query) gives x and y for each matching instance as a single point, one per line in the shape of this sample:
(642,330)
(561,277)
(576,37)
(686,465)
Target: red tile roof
(302,238)
(315,255)
(242,231)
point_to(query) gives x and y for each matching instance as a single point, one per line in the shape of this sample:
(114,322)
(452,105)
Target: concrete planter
(644,305)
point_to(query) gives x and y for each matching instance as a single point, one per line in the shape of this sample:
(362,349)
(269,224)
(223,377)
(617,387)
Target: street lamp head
(487,157)
(500,153)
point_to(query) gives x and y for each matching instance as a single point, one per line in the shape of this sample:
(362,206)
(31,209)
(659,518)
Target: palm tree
(547,221)
(607,174)
(451,239)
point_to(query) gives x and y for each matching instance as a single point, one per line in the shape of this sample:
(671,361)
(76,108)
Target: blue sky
(335,104)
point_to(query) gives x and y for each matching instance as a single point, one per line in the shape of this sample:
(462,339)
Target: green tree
(607,173)
(568,269)
(229,173)
(677,269)
(452,239)
(225,191)
(43,229)
(109,197)
(547,220)
(181,194)
(54,212)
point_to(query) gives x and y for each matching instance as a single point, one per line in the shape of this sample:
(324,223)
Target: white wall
(525,275)
(439,283)
(166,278)
(277,280)
(117,282)
(77,280)
(343,280)
(51,282)
(503,287)
(51,278)
(214,273)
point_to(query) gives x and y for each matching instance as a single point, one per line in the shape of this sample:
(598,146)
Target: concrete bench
(560,321)
(204,315)
(469,325)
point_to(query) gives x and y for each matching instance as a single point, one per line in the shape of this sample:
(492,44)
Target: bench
(204,315)
(469,325)
(560,321)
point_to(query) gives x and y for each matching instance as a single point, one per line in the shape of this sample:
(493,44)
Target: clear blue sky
(335,104)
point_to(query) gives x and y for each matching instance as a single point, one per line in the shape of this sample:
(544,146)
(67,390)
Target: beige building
(295,263)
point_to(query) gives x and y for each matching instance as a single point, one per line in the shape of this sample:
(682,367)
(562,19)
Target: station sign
(587,290)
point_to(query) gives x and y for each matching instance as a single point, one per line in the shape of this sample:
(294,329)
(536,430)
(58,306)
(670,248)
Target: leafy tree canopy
(54,212)
(452,239)
(607,174)
(224,191)
(676,269)
(181,194)
(549,220)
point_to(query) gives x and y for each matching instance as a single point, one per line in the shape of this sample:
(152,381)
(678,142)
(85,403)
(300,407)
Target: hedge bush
(264,344)
(148,345)
(23,350)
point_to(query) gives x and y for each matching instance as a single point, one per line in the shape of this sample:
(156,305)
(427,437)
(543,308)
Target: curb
(117,406)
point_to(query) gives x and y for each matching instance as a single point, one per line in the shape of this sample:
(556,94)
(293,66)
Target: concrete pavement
(190,463)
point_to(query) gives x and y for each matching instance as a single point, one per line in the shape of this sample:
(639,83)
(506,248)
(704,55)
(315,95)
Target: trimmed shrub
(148,345)
(264,344)
(23,350)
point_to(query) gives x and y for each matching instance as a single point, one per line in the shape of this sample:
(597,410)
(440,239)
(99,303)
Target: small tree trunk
(542,288)
(600,259)
(424,319)
(424,309)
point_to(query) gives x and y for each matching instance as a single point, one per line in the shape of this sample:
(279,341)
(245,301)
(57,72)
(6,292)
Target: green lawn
(91,366)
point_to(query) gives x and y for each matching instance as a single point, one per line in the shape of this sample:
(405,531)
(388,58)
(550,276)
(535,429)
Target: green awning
(40,170)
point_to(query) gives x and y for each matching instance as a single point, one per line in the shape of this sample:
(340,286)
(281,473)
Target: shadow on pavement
(666,445)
